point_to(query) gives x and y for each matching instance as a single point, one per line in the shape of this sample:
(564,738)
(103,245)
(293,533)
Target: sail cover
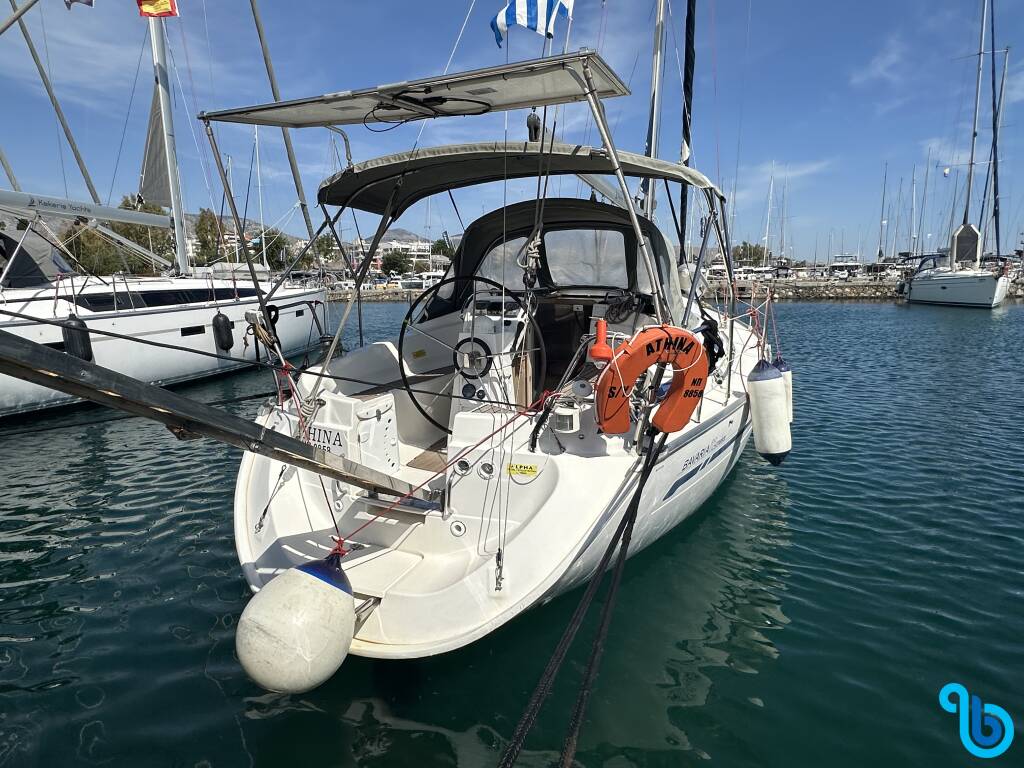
(412,176)
(154,185)
(536,83)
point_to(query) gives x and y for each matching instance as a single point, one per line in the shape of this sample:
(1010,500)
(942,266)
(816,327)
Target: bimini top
(520,85)
(423,172)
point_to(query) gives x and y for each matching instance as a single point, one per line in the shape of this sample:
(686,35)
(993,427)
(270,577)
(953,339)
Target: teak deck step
(433,459)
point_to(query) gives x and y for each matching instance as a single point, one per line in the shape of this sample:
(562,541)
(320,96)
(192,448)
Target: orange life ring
(662,344)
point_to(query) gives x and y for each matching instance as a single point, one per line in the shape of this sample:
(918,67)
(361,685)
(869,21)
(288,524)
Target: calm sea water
(808,616)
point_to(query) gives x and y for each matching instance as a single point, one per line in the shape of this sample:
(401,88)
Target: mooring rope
(620,538)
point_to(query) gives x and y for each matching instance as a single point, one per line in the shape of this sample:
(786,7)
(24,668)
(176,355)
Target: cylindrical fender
(667,344)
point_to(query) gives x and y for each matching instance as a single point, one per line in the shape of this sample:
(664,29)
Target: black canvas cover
(36,262)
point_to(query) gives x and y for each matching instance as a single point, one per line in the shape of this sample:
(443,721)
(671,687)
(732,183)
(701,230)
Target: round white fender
(767,391)
(296,631)
(787,377)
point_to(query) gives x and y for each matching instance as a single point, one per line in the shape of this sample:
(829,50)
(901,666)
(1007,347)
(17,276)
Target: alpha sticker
(523,470)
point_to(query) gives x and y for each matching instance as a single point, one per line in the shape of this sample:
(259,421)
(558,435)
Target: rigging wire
(200,151)
(714,81)
(56,122)
(128,114)
(739,126)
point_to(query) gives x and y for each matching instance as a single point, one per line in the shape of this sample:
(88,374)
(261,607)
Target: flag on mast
(69,3)
(538,15)
(158,7)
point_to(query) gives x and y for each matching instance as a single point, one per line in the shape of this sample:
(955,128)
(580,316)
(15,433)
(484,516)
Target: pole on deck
(9,171)
(240,232)
(18,13)
(289,149)
(600,120)
(56,104)
(977,107)
(158,42)
(650,187)
(185,418)
(689,58)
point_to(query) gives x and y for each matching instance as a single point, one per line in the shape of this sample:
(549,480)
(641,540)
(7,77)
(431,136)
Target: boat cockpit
(515,313)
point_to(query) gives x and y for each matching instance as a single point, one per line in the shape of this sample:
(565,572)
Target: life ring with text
(667,344)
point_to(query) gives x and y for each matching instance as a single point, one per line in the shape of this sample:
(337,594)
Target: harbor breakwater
(848,290)
(784,290)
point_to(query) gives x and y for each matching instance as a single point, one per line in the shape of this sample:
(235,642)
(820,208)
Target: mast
(288,148)
(881,216)
(913,209)
(650,186)
(896,226)
(9,171)
(259,195)
(977,106)
(997,116)
(18,13)
(56,104)
(924,202)
(952,213)
(768,219)
(689,57)
(782,220)
(159,45)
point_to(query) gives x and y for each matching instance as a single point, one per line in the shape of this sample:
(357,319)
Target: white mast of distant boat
(649,186)
(966,227)
(768,219)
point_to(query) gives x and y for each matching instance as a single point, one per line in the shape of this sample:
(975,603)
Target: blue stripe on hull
(689,475)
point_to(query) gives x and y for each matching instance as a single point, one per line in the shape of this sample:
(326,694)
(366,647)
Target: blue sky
(825,91)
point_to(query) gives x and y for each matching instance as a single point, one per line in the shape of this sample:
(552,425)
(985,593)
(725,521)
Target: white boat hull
(969,288)
(187,327)
(434,574)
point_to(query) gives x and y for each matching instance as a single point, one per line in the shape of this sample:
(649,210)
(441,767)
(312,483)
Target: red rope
(339,546)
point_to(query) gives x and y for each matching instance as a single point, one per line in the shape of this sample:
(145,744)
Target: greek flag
(538,15)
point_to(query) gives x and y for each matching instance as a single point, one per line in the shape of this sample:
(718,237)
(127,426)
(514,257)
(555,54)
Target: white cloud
(886,66)
(755,180)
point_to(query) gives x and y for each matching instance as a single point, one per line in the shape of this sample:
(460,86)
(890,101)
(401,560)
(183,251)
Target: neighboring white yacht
(182,312)
(45,299)
(941,280)
(938,281)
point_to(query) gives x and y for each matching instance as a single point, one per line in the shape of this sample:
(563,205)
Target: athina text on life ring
(662,344)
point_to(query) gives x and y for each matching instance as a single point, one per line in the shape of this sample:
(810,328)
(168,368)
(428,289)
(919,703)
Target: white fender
(296,631)
(787,377)
(766,389)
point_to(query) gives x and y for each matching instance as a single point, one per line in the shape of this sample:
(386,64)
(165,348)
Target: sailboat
(555,396)
(513,416)
(939,279)
(191,326)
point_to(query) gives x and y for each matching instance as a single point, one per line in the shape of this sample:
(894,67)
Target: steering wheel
(471,356)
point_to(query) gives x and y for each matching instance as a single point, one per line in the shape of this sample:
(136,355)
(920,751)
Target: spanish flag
(158,7)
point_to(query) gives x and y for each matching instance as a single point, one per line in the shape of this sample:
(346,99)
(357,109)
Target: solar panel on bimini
(537,83)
